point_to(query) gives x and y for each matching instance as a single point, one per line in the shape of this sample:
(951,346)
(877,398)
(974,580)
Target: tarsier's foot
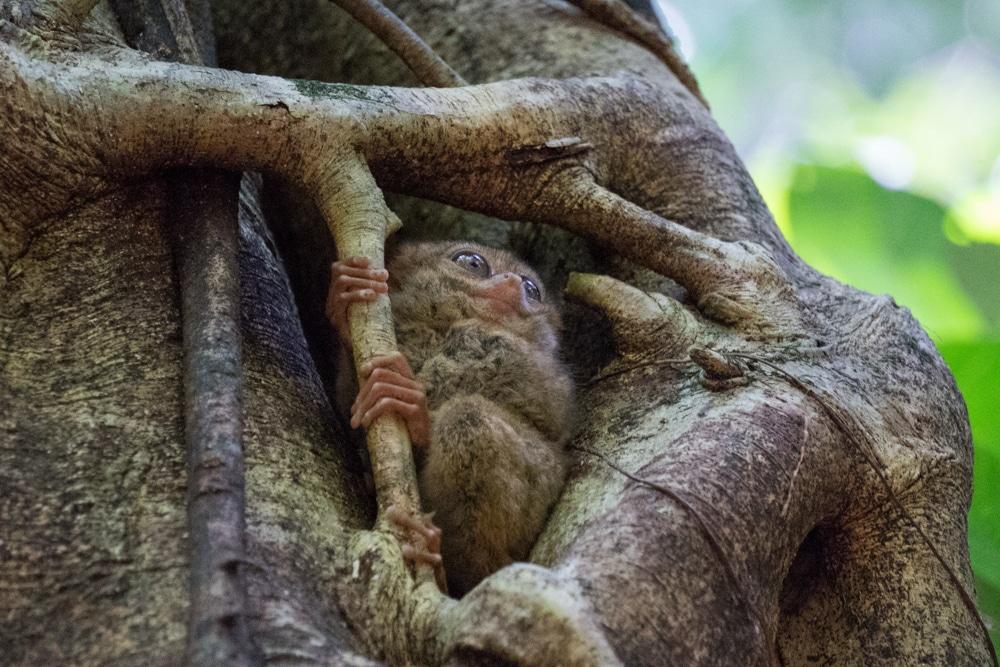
(351,280)
(427,546)
(390,387)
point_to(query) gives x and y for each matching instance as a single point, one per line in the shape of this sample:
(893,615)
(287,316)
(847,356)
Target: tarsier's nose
(512,278)
(510,284)
(506,288)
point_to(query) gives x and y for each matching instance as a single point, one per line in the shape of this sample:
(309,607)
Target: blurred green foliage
(872,129)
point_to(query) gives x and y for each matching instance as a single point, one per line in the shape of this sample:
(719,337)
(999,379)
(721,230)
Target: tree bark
(774,469)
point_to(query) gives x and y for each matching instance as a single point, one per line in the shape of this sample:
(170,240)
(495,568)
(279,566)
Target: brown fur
(500,404)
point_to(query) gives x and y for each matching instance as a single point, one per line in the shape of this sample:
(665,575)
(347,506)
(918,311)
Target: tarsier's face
(500,289)
(481,282)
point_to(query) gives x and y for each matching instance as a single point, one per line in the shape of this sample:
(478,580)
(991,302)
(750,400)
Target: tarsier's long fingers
(386,382)
(351,280)
(385,387)
(394,360)
(429,551)
(416,418)
(389,387)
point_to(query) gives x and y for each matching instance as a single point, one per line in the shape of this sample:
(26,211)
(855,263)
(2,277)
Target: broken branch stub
(640,321)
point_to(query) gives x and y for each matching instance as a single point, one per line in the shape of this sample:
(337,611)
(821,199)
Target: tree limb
(428,66)
(617,15)
(360,222)
(203,119)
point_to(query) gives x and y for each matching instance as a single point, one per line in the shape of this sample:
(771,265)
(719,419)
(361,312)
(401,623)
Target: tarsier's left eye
(472,262)
(531,289)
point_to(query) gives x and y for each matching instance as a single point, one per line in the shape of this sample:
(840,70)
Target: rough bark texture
(775,470)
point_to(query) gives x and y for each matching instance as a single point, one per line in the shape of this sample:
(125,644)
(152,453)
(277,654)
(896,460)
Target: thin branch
(360,221)
(427,65)
(617,15)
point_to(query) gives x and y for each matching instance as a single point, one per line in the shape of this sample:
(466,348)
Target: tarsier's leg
(490,480)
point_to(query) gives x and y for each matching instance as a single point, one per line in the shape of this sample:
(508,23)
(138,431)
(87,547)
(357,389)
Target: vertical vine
(205,248)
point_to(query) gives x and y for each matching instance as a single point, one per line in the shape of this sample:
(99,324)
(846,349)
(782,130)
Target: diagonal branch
(736,283)
(427,65)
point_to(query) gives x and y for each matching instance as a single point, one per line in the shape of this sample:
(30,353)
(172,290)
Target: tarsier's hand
(389,387)
(351,280)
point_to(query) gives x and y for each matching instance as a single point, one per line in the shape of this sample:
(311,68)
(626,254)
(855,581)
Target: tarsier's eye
(472,262)
(531,289)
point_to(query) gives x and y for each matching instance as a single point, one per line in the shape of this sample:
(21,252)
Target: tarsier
(480,386)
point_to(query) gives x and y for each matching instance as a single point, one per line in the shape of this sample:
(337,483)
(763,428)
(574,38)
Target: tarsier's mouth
(501,307)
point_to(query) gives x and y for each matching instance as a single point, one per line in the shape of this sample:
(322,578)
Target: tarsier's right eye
(472,262)
(531,289)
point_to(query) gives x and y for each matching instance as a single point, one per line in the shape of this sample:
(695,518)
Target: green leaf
(976,367)
(884,241)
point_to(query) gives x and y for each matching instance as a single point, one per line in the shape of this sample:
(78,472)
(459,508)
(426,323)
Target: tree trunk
(770,468)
